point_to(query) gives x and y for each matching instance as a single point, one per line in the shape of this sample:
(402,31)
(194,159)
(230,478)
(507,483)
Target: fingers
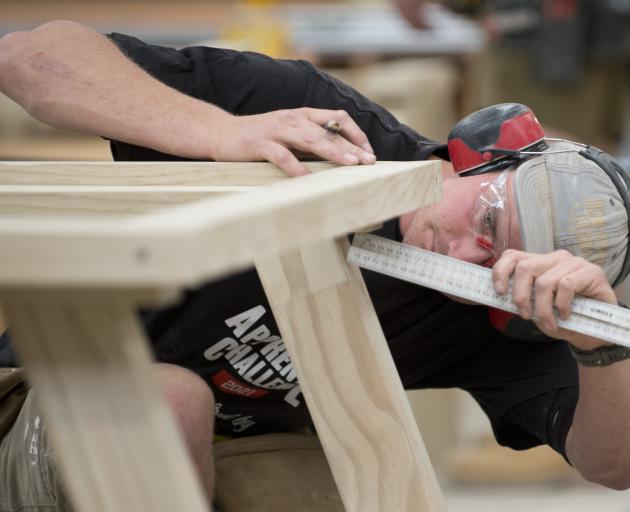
(503,269)
(273,136)
(329,146)
(349,129)
(514,264)
(282,158)
(533,277)
(554,290)
(303,130)
(552,280)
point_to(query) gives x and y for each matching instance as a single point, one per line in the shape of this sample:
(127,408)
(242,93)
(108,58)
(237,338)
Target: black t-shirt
(226,333)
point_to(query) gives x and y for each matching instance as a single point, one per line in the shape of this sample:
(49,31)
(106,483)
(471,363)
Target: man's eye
(488,218)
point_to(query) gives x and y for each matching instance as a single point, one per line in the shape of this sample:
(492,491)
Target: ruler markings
(473,282)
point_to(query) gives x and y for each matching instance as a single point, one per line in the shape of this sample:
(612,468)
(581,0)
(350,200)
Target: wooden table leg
(349,381)
(116,441)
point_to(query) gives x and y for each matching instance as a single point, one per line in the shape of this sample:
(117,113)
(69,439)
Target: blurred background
(569,60)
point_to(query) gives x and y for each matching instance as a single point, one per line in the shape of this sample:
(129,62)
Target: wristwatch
(599,357)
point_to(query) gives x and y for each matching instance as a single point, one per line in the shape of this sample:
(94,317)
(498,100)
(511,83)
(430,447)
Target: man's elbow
(620,484)
(598,461)
(13,42)
(15,50)
(8,46)
(617,478)
(23,56)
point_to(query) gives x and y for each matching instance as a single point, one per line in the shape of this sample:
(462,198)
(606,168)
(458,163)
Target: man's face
(447,227)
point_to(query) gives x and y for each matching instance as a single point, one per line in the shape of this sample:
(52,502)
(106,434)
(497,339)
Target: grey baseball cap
(565,201)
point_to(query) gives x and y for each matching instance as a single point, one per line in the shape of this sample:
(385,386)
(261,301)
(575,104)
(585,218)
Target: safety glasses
(490,218)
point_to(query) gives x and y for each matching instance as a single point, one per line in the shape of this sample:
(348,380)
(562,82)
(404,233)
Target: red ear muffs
(493,137)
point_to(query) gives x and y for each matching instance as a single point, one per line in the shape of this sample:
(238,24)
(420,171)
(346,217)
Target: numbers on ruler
(602,320)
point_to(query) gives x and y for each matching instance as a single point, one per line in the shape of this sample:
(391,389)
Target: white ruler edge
(472,282)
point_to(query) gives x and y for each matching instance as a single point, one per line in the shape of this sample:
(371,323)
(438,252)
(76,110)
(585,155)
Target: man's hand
(553,280)
(275,136)
(81,90)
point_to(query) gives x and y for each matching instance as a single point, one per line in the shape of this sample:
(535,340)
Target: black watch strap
(599,357)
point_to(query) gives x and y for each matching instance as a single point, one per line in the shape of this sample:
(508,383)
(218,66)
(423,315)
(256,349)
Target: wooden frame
(70,284)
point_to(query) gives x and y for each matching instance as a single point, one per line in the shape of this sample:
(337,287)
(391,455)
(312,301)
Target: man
(70,76)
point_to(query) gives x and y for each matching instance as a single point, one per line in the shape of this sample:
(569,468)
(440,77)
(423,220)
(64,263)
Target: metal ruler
(472,282)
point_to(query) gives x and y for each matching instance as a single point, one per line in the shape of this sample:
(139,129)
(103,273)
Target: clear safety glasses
(490,221)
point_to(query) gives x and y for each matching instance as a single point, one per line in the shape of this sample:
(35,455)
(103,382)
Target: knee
(191,401)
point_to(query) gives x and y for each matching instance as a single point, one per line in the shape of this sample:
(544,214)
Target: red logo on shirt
(228,384)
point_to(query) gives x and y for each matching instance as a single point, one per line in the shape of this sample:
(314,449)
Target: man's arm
(598,442)
(71,77)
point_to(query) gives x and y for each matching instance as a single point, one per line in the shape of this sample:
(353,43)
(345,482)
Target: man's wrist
(202,139)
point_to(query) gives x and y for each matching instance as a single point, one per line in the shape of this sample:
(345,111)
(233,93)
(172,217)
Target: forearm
(74,78)
(598,443)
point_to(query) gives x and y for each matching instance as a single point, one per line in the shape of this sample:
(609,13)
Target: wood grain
(119,447)
(116,441)
(146,173)
(188,244)
(23,201)
(349,380)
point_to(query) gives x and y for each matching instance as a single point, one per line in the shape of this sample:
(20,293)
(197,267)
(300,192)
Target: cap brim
(534,206)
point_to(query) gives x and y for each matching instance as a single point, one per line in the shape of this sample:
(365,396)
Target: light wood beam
(146,173)
(349,380)
(90,364)
(117,443)
(188,244)
(20,201)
